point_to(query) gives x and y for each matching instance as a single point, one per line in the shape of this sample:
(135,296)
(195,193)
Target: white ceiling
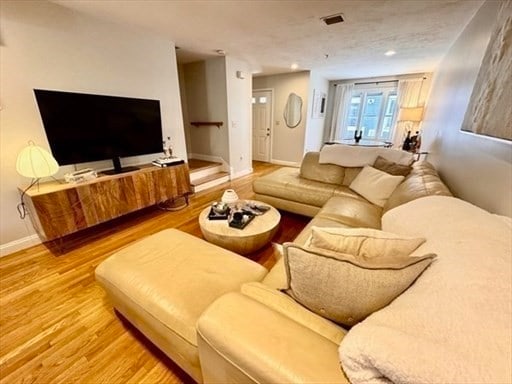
(271,35)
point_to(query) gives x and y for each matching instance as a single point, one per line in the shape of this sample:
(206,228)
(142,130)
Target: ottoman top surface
(174,277)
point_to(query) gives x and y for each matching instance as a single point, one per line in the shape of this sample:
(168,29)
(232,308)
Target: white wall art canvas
(490,108)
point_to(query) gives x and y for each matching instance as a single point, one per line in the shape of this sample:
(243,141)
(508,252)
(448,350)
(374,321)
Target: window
(261,100)
(372,110)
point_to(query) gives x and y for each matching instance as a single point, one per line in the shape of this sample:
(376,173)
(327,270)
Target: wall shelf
(218,124)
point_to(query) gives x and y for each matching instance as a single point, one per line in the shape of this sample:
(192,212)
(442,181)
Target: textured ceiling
(271,35)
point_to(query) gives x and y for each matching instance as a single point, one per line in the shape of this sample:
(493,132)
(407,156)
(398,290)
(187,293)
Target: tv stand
(116,160)
(57,210)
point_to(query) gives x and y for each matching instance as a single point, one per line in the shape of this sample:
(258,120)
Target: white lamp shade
(36,162)
(410,114)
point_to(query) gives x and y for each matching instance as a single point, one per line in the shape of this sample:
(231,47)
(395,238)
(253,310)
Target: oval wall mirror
(293,110)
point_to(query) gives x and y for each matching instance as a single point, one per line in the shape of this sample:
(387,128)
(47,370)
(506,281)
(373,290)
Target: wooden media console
(58,209)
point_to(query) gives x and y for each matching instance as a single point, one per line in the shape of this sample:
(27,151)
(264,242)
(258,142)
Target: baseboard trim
(285,163)
(18,245)
(245,172)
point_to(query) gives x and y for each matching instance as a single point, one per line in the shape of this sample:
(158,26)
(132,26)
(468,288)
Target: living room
(51,46)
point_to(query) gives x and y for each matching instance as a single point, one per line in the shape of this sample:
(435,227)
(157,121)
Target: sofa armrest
(242,340)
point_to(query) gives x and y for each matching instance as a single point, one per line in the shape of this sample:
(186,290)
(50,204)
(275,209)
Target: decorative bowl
(220,207)
(229,196)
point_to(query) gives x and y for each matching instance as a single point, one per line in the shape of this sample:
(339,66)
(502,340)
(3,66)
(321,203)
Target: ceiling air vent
(333,19)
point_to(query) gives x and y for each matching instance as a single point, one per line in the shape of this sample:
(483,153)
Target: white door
(261,124)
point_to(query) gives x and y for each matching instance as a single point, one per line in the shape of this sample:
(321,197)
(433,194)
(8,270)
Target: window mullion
(382,113)
(361,110)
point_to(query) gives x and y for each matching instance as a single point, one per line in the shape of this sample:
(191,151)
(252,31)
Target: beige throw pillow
(390,167)
(345,288)
(374,185)
(363,242)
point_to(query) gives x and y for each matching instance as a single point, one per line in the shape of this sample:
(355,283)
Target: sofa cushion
(391,167)
(346,288)
(363,242)
(422,181)
(244,341)
(325,173)
(351,212)
(284,304)
(342,190)
(286,183)
(374,185)
(350,174)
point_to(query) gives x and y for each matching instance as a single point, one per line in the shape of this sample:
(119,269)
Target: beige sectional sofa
(224,319)
(307,189)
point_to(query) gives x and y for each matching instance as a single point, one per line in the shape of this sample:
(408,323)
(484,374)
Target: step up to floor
(199,169)
(209,181)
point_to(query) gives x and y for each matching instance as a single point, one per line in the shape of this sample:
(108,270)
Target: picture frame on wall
(319,104)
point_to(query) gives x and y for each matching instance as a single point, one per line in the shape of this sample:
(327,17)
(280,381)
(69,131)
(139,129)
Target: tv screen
(84,127)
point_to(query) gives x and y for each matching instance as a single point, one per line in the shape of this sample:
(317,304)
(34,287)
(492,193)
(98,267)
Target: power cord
(22,210)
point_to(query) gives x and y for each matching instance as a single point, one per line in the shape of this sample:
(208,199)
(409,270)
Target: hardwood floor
(56,324)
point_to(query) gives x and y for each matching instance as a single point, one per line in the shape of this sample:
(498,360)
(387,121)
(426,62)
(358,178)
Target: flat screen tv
(84,127)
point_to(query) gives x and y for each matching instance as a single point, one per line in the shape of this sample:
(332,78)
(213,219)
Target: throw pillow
(345,288)
(363,242)
(374,185)
(391,167)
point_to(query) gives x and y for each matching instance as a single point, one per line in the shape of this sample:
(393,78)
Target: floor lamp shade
(410,114)
(36,162)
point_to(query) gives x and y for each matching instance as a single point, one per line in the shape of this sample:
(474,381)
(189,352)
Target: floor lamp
(34,162)
(410,116)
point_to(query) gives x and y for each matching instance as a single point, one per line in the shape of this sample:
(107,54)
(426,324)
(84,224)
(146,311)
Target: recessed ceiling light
(390,53)
(294,66)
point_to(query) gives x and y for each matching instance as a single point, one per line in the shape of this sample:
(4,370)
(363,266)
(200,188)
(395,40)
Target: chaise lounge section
(164,282)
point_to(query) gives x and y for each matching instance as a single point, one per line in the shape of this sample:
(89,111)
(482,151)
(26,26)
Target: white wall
(44,45)
(476,168)
(287,143)
(206,93)
(314,134)
(184,108)
(239,93)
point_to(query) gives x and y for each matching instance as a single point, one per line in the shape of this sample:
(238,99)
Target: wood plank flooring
(56,324)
